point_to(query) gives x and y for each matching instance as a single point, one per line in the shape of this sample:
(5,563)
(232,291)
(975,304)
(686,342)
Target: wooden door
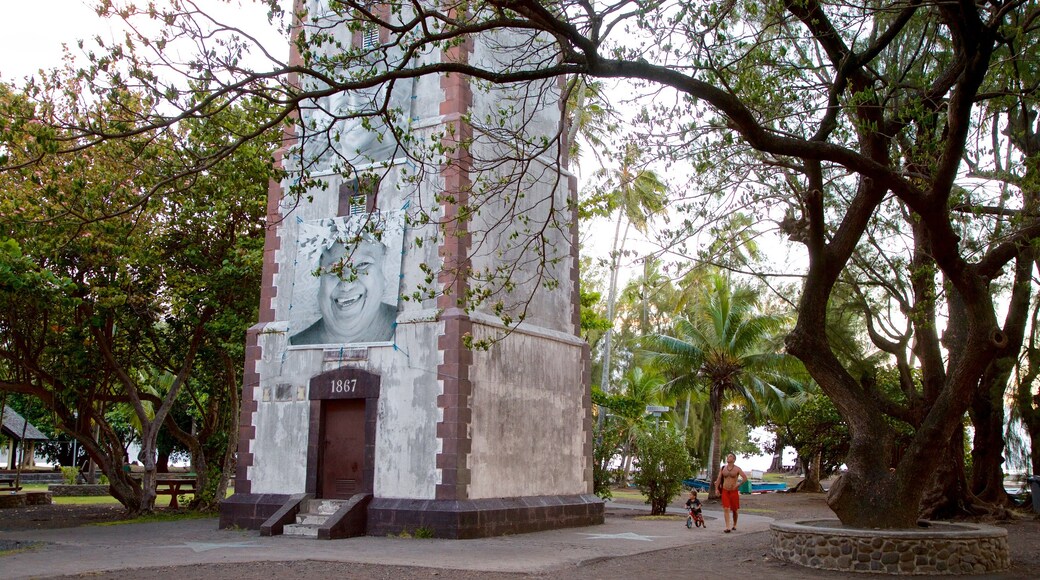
(343,448)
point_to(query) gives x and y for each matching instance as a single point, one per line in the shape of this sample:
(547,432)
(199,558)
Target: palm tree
(634,193)
(588,116)
(638,389)
(722,345)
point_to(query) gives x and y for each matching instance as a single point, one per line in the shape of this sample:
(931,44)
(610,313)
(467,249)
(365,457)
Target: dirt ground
(736,555)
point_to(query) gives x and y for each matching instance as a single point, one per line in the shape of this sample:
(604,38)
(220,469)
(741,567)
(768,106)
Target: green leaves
(663,464)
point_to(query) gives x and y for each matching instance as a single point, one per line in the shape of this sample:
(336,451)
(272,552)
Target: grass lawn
(162,501)
(790,480)
(85,500)
(629,493)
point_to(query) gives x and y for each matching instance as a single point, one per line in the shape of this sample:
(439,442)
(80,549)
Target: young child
(693,503)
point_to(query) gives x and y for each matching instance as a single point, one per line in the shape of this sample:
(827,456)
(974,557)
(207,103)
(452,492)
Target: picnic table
(174,486)
(7,484)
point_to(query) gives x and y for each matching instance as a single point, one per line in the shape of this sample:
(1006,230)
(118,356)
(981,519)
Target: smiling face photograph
(346,289)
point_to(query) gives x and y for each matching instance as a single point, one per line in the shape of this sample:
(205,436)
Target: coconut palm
(723,345)
(638,389)
(633,193)
(589,117)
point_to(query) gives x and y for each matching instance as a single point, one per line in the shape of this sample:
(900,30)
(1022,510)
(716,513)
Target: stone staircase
(313,513)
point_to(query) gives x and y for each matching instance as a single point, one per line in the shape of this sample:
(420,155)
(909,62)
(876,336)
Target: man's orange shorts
(731,499)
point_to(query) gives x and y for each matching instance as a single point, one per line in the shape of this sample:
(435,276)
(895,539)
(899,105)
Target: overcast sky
(33,31)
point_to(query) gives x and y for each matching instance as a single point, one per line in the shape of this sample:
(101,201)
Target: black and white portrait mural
(348,128)
(347,276)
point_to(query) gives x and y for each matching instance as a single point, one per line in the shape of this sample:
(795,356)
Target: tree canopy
(118,308)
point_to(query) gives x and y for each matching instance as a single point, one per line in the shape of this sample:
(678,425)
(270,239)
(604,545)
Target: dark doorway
(343,448)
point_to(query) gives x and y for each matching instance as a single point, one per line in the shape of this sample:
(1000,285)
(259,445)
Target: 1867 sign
(345,383)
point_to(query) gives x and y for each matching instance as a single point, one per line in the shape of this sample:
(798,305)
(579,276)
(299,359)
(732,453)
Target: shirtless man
(728,485)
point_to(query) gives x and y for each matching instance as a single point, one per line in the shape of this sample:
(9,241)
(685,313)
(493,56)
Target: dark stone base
(38,498)
(249,510)
(24,498)
(483,517)
(82,489)
(10,500)
(458,520)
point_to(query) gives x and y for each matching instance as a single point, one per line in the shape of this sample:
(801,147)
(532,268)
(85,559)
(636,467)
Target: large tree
(856,105)
(116,300)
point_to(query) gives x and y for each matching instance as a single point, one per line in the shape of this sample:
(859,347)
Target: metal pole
(21,444)
(3,407)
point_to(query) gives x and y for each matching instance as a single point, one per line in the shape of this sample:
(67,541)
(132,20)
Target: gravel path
(743,554)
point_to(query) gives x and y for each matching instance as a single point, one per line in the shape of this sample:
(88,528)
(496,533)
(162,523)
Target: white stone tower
(359,384)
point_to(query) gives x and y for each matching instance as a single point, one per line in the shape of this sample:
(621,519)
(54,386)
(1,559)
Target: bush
(70,475)
(663,463)
(607,448)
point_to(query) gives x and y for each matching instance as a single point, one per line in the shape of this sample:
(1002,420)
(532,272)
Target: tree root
(806,486)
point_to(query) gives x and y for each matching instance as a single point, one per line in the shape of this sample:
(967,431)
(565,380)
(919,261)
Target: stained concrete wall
(527,417)
(406,430)
(406,441)
(524,229)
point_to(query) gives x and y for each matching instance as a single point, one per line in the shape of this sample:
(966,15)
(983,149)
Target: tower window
(370,37)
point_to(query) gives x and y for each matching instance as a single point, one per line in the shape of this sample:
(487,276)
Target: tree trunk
(777,465)
(948,494)
(147,458)
(686,414)
(869,495)
(162,462)
(1028,403)
(120,484)
(716,444)
(604,382)
(229,460)
(987,475)
(987,407)
(811,482)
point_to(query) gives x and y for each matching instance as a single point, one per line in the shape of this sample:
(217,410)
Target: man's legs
(730,503)
(726,508)
(734,504)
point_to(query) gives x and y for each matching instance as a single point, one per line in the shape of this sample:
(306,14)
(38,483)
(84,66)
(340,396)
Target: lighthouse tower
(417,361)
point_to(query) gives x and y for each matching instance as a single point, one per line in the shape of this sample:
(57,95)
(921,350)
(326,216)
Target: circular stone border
(939,548)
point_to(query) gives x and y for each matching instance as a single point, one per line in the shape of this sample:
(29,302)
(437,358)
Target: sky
(26,46)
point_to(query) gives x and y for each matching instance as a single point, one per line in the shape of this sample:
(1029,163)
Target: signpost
(656,411)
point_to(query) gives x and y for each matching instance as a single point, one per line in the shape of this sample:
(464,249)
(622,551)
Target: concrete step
(322,506)
(300,530)
(308,519)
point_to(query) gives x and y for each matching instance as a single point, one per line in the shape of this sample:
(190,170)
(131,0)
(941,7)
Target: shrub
(70,475)
(663,463)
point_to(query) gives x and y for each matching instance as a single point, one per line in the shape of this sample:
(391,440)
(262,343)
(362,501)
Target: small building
(22,437)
